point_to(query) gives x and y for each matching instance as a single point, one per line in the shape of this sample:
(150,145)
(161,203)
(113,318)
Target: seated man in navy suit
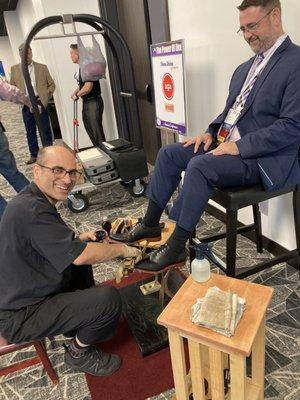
(255,140)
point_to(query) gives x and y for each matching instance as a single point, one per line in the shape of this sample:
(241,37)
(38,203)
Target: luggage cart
(77,200)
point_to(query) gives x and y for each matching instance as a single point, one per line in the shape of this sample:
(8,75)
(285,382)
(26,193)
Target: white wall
(14,31)
(55,53)
(213,51)
(6,55)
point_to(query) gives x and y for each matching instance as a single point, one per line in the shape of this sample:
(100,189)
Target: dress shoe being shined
(138,232)
(160,259)
(31,160)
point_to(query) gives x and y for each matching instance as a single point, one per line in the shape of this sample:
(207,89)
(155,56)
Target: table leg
(216,374)
(237,377)
(197,370)
(258,359)
(178,365)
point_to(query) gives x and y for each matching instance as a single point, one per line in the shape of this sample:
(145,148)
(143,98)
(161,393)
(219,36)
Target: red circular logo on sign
(168,86)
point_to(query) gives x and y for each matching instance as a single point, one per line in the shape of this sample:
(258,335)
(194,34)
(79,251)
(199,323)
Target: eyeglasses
(60,172)
(252,26)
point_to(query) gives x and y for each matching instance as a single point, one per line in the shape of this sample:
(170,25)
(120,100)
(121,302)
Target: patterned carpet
(282,352)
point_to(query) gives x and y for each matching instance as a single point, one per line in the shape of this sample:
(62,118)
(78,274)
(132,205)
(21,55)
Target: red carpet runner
(138,377)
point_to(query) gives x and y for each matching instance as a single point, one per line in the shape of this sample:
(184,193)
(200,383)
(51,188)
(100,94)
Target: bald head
(53,152)
(54,172)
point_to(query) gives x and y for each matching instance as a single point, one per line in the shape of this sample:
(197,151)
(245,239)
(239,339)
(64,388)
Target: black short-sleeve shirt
(96,89)
(36,247)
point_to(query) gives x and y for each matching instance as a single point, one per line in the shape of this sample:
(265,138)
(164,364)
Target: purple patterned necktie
(242,97)
(252,79)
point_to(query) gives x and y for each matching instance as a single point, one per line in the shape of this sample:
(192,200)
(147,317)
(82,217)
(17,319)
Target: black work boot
(93,361)
(161,258)
(138,232)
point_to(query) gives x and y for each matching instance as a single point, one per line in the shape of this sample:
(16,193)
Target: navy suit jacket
(269,124)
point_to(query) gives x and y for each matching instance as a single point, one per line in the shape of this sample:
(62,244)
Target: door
(133,19)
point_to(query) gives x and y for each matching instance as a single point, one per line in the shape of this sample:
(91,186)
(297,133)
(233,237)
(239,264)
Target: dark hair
(74,46)
(270,4)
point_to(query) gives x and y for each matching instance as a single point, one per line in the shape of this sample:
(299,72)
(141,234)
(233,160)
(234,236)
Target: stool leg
(258,359)
(258,232)
(296,207)
(216,374)
(197,370)
(178,365)
(41,351)
(161,293)
(231,232)
(237,377)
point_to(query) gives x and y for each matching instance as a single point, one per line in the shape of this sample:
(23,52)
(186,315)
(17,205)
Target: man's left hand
(87,236)
(226,148)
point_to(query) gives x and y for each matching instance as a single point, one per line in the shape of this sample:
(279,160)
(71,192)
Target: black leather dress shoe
(31,160)
(138,232)
(160,259)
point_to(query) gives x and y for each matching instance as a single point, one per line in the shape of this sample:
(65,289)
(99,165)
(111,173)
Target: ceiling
(6,5)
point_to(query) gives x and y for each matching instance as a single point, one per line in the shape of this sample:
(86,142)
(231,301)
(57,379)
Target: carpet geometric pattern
(282,351)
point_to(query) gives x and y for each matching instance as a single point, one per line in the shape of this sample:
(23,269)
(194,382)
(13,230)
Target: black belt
(92,98)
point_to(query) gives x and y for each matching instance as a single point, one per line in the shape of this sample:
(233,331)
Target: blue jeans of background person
(31,132)
(9,170)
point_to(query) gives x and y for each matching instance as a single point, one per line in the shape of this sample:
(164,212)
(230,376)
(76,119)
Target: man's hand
(74,95)
(87,236)
(226,148)
(205,138)
(132,252)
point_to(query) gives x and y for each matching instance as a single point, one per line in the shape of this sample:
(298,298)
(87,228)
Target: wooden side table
(249,338)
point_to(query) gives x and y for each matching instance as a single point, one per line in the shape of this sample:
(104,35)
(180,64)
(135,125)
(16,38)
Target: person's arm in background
(12,76)
(8,92)
(74,94)
(86,88)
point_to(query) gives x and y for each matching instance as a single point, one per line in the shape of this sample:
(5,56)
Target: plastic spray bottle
(200,266)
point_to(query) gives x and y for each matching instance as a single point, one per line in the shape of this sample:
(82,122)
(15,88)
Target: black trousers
(91,312)
(92,111)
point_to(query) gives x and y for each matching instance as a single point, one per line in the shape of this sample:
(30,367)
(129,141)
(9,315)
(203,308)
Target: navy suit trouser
(203,172)
(30,126)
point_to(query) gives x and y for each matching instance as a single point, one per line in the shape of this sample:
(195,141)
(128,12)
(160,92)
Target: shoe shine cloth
(219,310)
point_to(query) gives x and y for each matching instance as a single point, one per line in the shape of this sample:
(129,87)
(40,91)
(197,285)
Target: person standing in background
(44,87)
(92,102)
(8,167)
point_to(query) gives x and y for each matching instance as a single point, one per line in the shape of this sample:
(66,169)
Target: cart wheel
(137,188)
(125,184)
(78,203)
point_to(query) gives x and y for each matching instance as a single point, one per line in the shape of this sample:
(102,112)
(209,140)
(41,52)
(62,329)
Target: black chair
(233,199)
